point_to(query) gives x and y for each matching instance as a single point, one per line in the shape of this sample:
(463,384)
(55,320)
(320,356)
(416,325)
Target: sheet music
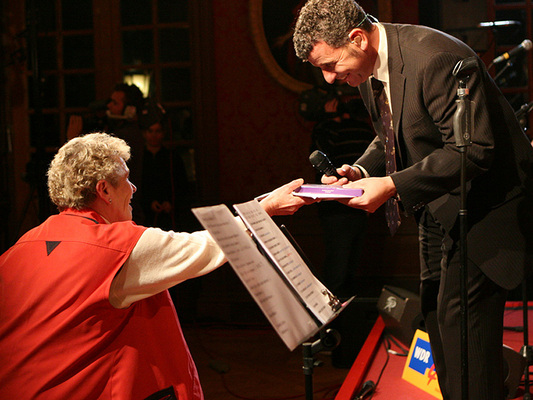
(282,309)
(315,295)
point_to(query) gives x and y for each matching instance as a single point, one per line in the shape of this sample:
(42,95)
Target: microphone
(465,67)
(367,388)
(497,24)
(322,163)
(526,45)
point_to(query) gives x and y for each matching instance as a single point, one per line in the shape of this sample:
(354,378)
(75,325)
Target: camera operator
(342,132)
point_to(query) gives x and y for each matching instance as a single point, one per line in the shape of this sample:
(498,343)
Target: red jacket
(60,338)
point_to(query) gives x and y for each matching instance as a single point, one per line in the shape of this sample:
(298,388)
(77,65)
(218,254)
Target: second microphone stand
(527,350)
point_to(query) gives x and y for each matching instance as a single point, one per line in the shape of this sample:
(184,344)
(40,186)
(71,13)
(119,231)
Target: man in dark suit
(415,65)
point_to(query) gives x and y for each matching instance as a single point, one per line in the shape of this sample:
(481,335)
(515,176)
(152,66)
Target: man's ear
(357,36)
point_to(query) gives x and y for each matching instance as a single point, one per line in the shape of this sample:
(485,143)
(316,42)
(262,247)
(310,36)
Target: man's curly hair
(327,20)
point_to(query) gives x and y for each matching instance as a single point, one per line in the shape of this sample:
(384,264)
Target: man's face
(120,196)
(117,103)
(345,64)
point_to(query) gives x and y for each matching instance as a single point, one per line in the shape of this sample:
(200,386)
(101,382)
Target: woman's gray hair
(80,164)
(327,20)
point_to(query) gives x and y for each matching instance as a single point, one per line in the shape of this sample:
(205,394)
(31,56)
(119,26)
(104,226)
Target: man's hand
(376,191)
(348,174)
(282,202)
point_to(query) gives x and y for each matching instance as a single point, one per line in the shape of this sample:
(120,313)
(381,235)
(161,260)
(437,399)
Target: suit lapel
(367,95)
(397,89)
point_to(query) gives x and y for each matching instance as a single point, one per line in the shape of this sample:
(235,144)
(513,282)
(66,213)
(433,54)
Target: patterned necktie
(392,211)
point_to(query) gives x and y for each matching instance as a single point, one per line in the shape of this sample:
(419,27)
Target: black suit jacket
(500,159)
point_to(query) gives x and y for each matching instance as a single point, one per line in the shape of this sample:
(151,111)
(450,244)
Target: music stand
(328,341)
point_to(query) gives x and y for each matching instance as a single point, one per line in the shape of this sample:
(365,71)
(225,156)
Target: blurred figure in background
(343,133)
(119,116)
(163,191)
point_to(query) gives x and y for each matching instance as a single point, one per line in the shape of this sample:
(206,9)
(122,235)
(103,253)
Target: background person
(415,65)
(164,195)
(85,309)
(119,115)
(343,134)
(164,188)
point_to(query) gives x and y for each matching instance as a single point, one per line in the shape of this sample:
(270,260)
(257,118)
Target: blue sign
(422,358)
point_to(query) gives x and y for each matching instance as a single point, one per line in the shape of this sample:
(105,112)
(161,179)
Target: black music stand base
(328,341)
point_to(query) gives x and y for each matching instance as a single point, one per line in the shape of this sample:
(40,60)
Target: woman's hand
(282,202)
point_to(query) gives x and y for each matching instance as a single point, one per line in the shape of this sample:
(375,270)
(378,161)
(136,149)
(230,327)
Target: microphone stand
(522,113)
(462,126)
(527,350)
(507,65)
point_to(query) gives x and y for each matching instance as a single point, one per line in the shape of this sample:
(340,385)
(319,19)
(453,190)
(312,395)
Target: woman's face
(154,135)
(120,206)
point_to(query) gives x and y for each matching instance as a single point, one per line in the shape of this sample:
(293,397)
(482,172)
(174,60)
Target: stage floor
(252,363)
(376,364)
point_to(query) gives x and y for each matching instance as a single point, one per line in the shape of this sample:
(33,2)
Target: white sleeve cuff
(363,171)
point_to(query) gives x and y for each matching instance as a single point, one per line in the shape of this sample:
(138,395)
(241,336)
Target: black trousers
(441,299)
